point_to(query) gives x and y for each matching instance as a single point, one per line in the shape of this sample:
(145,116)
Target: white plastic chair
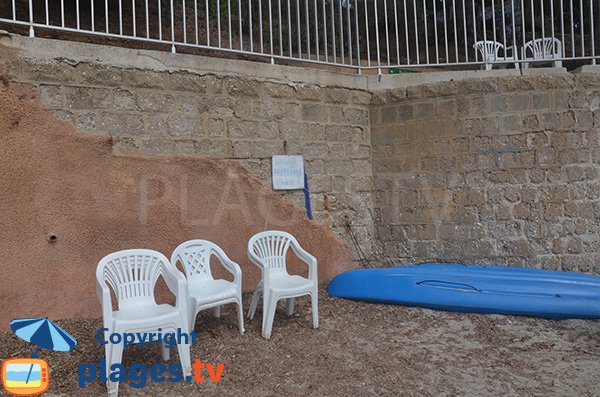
(543,49)
(489,51)
(204,291)
(267,250)
(132,275)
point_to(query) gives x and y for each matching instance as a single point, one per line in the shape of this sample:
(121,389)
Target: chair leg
(240,313)
(254,301)
(290,306)
(525,65)
(558,64)
(269,308)
(217,311)
(185,358)
(116,355)
(314,302)
(165,352)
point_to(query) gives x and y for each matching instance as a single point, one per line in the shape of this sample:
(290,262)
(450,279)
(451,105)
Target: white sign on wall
(288,172)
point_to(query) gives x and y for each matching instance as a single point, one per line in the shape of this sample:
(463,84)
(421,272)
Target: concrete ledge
(587,69)
(387,81)
(45,50)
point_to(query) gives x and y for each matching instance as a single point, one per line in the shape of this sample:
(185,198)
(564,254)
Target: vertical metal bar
(31,31)
(218,24)
(207,7)
(445,31)
(464,13)
(532,21)
(333,31)
(358,62)
(426,31)
(120,17)
(349,31)
(317,44)
(475,29)
(455,29)
(406,34)
(397,31)
(592,33)
(562,25)
(148,20)
(78,19)
(280,27)
(159,19)
(494,21)
(552,20)
(387,34)
(572,31)
(504,30)
(62,14)
(262,51)
(582,34)
(195,21)
(416,32)
(14,11)
(48,13)
(289,15)
(377,38)
(437,47)
(324,9)
(523,26)
(342,48)
(307,28)
(184,24)
(172,28)
(543,24)
(251,25)
(298,29)
(134,17)
(367,33)
(514,30)
(484,21)
(230,37)
(240,28)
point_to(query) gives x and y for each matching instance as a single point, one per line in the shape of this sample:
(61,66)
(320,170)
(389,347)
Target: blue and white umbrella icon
(43,333)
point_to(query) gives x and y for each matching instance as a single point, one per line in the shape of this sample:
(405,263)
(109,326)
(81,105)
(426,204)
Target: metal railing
(359,34)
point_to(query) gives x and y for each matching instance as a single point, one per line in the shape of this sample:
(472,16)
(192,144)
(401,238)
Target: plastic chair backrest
(544,48)
(488,49)
(132,274)
(195,257)
(271,247)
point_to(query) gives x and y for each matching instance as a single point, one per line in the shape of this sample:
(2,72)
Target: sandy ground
(360,349)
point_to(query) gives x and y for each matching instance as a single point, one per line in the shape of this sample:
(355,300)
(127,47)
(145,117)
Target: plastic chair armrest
(307,258)
(177,284)
(230,266)
(104,297)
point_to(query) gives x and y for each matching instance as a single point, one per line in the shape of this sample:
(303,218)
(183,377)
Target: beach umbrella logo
(43,333)
(31,376)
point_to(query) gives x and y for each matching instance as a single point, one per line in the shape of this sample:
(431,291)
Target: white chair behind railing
(489,51)
(543,49)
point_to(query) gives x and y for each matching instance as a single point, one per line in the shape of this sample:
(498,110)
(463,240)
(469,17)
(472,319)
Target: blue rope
(307,198)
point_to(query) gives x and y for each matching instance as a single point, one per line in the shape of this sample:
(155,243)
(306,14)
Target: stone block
(51,97)
(243,129)
(98,98)
(314,112)
(185,127)
(460,145)
(125,124)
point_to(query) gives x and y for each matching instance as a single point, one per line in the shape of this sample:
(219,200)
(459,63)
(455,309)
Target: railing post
(31,31)
(173,50)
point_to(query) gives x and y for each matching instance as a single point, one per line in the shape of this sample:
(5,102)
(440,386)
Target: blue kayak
(476,289)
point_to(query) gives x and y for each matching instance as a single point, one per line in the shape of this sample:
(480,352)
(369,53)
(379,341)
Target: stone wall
(170,110)
(499,171)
